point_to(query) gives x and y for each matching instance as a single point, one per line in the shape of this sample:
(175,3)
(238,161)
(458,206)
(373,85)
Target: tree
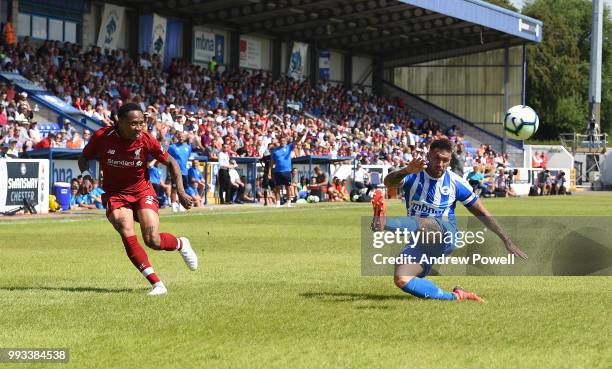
(558,69)
(504,4)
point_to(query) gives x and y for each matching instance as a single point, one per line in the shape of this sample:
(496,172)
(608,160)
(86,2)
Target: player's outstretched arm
(394,179)
(177,177)
(487,219)
(301,136)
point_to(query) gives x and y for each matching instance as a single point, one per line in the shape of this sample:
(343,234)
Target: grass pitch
(281,288)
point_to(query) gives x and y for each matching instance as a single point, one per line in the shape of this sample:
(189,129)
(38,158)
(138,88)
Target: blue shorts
(431,251)
(418,250)
(282,178)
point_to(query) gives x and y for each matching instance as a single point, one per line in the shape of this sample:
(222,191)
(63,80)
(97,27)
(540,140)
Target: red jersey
(124,162)
(45,143)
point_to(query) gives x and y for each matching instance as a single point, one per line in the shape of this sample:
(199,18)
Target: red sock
(169,242)
(139,258)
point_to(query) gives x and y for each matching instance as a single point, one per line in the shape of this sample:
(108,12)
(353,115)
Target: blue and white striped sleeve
(464,192)
(408,182)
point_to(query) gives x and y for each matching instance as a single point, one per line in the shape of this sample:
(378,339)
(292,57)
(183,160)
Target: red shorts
(147,199)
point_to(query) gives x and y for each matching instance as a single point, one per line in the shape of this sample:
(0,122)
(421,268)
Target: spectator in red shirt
(46,143)
(3,117)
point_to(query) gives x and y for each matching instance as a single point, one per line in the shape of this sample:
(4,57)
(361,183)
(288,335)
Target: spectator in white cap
(13,150)
(70,130)
(166,116)
(23,101)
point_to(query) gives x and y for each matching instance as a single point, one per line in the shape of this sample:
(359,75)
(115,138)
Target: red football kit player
(123,151)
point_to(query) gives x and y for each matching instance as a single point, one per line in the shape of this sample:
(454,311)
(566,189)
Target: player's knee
(401,280)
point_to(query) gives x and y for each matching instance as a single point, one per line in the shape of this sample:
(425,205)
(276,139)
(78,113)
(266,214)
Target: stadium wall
(91,25)
(470,86)
(336,67)
(606,169)
(361,66)
(48,20)
(284,57)
(556,156)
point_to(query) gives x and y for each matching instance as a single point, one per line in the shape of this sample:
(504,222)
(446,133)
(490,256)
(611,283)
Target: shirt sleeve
(407,183)
(90,150)
(157,151)
(464,193)
(80,199)
(191,173)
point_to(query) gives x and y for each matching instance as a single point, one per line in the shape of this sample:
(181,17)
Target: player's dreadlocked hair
(442,144)
(126,108)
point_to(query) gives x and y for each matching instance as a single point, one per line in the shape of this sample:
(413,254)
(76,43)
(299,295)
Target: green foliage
(571,111)
(558,69)
(504,4)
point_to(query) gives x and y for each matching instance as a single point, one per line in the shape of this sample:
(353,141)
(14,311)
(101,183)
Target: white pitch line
(208,212)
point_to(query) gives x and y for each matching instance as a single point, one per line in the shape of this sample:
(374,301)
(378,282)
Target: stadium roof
(400,32)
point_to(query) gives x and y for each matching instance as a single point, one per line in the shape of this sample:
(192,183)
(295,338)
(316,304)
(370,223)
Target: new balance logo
(110,152)
(149,200)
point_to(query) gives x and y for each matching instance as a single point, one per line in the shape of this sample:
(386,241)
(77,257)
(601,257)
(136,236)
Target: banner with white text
(250,53)
(24,179)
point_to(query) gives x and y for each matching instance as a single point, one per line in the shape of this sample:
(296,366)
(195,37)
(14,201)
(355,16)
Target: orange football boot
(380,211)
(460,294)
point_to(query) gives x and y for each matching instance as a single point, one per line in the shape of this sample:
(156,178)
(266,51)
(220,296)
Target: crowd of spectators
(240,111)
(245,109)
(85,194)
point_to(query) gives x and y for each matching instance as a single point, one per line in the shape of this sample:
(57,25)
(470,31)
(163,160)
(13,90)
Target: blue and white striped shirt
(436,197)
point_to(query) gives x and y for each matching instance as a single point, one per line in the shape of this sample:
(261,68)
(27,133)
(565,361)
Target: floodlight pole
(595,67)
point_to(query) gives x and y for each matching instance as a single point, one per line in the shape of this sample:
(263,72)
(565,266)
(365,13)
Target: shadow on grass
(70,289)
(348,297)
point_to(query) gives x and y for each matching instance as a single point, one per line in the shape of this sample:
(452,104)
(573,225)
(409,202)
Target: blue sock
(425,289)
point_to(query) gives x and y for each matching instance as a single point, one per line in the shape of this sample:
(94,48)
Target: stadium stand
(241,108)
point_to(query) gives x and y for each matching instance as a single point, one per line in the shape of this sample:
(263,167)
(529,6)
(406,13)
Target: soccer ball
(521,122)
(313,199)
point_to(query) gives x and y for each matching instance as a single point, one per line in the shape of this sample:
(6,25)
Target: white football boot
(189,256)
(158,289)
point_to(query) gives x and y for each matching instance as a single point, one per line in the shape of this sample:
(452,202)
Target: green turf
(281,288)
